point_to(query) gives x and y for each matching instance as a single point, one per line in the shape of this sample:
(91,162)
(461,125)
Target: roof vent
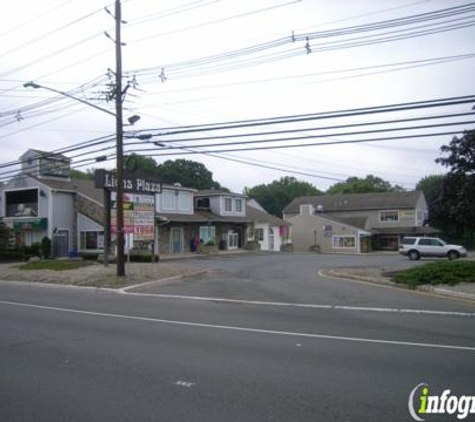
(319,209)
(177,184)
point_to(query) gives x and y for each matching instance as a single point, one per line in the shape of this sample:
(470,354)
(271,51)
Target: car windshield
(443,242)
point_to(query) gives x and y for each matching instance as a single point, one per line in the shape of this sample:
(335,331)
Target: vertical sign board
(139,213)
(139,204)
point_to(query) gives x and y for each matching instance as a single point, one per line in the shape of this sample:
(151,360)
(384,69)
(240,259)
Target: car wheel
(414,255)
(453,255)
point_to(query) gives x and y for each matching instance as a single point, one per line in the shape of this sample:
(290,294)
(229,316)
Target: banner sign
(139,214)
(131,183)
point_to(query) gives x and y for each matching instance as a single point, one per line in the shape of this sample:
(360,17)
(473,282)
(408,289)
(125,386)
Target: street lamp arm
(57,91)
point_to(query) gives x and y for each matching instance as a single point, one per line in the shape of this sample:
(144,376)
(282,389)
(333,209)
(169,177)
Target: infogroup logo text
(421,403)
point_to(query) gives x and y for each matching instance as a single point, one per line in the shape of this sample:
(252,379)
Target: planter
(287,247)
(253,246)
(314,248)
(206,249)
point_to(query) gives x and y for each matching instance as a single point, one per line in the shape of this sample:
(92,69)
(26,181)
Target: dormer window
(228,204)
(238,204)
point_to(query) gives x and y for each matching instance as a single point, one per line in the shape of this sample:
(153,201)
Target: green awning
(28,224)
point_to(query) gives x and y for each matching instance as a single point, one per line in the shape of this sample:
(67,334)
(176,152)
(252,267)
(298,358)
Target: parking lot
(296,278)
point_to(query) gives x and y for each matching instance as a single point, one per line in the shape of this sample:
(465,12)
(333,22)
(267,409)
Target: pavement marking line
(171,278)
(242,329)
(400,289)
(303,305)
(237,301)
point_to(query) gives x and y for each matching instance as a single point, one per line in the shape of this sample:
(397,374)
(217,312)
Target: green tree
(275,196)
(141,164)
(367,185)
(454,208)
(431,186)
(188,173)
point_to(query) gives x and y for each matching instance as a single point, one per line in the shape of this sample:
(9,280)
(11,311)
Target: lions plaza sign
(138,204)
(131,183)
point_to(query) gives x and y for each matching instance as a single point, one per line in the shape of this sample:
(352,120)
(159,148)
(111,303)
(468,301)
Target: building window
(259,234)
(207,234)
(184,201)
(202,203)
(22,203)
(228,204)
(238,204)
(168,200)
(91,240)
(344,242)
(388,216)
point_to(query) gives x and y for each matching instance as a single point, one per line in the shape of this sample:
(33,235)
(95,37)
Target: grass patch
(54,265)
(450,273)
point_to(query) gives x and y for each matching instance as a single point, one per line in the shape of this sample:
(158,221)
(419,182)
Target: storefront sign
(131,183)
(139,214)
(28,224)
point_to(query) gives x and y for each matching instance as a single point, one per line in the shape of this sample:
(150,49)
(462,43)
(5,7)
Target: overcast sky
(62,45)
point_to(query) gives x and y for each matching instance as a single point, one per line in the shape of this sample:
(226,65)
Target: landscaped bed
(54,265)
(86,273)
(450,273)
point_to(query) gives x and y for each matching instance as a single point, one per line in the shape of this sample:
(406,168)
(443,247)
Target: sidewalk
(375,276)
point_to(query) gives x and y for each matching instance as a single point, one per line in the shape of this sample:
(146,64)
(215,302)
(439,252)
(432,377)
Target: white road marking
(304,305)
(241,329)
(185,384)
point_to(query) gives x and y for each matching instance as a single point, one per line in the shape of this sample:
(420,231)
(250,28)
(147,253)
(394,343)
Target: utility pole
(119,142)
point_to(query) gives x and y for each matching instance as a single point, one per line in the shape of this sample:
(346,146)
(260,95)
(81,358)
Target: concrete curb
(123,290)
(384,281)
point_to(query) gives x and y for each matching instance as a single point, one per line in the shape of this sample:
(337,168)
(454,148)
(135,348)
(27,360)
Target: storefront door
(232,240)
(177,246)
(61,243)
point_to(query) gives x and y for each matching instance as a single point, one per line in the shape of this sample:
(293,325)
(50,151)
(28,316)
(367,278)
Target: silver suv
(416,247)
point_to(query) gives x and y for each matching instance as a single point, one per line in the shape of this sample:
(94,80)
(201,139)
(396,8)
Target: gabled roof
(261,216)
(82,186)
(357,201)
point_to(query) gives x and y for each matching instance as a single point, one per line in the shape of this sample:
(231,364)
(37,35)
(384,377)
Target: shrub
(437,273)
(33,250)
(46,247)
(13,255)
(143,258)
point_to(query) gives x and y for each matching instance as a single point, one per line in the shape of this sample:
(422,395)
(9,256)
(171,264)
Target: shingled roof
(357,201)
(264,217)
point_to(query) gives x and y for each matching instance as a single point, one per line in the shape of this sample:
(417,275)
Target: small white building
(270,231)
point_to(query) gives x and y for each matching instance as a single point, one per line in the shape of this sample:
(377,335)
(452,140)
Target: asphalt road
(354,355)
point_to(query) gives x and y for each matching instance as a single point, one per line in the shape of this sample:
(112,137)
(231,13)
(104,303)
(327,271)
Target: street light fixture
(34,85)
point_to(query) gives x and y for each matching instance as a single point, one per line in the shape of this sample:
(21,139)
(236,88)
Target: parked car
(417,247)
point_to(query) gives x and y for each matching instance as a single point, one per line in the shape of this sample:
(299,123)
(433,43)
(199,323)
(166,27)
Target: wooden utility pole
(120,149)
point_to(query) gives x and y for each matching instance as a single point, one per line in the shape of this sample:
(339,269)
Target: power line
(316,144)
(298,118)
